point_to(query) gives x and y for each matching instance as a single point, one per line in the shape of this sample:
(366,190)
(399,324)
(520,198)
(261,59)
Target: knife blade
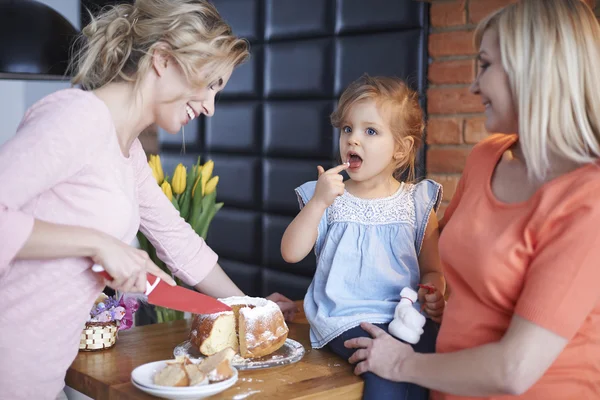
(177,298)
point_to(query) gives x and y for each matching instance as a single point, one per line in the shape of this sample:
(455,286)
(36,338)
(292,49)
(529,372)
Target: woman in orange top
(521,238)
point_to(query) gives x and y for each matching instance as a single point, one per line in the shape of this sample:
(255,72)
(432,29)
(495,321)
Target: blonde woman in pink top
(76,186)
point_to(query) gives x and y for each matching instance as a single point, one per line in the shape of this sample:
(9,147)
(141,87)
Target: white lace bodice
(397,208)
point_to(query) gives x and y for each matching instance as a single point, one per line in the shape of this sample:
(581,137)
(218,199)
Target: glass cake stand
(291,352)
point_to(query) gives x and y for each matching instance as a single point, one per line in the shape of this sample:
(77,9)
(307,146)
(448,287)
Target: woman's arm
(49,241)
(430,267)
(56,140)
(179,246)
(217,284)
(126,265)
(176,243)
(509,366)
(558,294)
(430,264)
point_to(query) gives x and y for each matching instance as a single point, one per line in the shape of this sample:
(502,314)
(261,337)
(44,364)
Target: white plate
(291,352)
(142,378)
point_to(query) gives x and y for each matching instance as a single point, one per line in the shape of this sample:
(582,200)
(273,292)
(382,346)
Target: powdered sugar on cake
(263,313)
(247,300)
(213,316)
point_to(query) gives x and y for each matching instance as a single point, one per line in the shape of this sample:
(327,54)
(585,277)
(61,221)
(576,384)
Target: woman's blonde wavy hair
(551,52)
(118,44)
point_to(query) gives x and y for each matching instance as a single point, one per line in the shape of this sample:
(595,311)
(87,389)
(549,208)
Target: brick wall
(455,115)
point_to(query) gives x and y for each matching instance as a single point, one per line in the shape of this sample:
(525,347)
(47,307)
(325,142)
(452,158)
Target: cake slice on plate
(172,375)
(218,366)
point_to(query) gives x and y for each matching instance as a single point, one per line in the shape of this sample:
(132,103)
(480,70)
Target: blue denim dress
(367,251)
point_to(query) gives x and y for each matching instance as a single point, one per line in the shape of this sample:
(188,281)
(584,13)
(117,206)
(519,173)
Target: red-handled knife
(178,298)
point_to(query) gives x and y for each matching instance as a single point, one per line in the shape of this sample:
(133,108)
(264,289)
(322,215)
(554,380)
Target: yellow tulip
(157,170)
(179,178)
(154,173)
(156,167)
(211,185)
(166,188)
(207,170)
(203,187)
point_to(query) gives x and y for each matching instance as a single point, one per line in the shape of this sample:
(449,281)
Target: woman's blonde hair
(118,44)
(399,102)
(551,52)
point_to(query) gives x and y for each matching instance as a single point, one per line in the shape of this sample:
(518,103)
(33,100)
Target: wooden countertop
(106,374)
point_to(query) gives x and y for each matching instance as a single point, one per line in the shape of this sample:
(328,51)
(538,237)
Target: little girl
(373,234)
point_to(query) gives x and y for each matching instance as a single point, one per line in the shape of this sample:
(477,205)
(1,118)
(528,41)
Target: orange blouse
(539,259)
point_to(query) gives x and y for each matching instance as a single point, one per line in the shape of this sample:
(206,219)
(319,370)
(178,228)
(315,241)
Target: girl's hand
(330,185)
(287,306)
(127,265)
(433,302)
(382,355)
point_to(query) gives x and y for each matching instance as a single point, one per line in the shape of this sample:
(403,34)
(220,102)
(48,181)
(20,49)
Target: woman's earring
(183,141)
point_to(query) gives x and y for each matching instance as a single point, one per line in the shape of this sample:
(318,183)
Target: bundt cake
(212,333)
(255,328)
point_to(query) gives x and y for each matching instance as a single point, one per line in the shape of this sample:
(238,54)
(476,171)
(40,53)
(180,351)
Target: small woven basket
(98,336)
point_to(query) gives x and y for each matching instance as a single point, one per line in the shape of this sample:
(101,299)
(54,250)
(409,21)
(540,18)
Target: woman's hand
(330,185)
(433,302)
(126,265)
(381,355)
(287,306)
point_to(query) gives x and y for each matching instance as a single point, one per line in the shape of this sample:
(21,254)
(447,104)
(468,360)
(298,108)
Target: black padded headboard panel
(271,127)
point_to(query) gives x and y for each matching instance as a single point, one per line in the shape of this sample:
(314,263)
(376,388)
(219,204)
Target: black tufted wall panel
(271,127)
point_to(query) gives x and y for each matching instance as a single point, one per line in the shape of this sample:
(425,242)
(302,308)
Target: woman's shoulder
(495,141)
(71,114)
(580,188)
(66,99)
(480,161)
(487,148)
(571,200)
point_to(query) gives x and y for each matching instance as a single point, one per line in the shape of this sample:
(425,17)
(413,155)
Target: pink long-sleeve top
(65,166)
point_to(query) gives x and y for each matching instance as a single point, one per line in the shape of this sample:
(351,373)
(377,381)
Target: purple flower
(111,303)
(117,313)
(104,317)
(130,305)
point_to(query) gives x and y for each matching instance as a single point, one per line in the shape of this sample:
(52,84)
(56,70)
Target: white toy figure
(408,322)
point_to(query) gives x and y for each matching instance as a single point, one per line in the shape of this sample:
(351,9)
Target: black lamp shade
(34,41)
